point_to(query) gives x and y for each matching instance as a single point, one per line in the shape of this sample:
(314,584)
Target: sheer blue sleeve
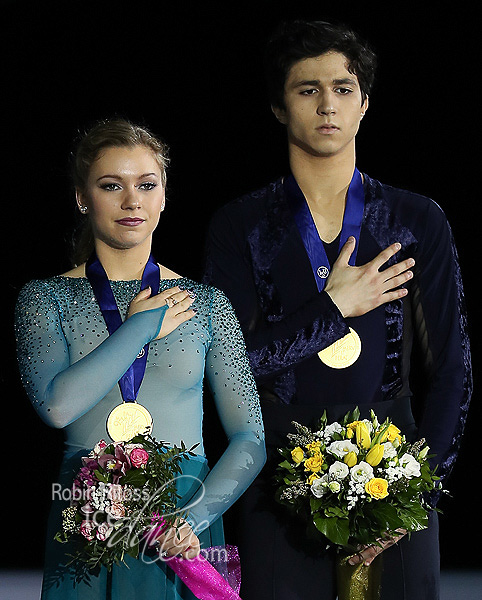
(234,391)
(62,391)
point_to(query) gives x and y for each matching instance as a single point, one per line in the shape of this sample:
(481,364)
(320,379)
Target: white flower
(410,466)
(99,495)
(319,486)
(393,474)
(356,493)
(334,487)
(362,472)
(389,450)
(342,448)
(98,449)
(330,430)
(338,470)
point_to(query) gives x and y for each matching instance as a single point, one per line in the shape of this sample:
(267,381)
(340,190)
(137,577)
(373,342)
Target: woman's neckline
(82,278)
(80,274)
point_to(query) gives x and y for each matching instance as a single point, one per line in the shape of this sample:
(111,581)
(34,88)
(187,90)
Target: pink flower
(116,510)
(87,509)
(103,531)
(87,529)
(139,457)
(99,447)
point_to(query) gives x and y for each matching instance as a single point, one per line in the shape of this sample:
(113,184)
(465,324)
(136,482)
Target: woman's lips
(130,222)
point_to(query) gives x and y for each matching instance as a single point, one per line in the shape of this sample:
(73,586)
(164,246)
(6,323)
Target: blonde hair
(108,133)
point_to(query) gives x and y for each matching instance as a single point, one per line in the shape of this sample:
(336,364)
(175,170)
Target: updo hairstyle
(109,133)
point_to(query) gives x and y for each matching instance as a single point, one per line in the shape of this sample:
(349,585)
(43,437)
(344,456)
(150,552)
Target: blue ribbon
(352,220)
(131,381)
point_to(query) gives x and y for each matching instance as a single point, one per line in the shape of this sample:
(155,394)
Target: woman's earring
(83,209)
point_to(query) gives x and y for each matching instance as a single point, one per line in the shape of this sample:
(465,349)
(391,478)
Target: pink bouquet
(123,496)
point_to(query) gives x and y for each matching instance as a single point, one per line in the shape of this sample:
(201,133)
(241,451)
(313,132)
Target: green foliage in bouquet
(122,497)
(356,480)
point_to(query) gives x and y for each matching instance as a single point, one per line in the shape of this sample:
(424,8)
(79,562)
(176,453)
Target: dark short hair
(296,40)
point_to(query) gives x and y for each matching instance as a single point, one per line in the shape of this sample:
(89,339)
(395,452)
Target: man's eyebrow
(342,81)
(345,81)
(307,82)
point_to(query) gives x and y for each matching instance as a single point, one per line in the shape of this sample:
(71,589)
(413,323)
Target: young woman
(70,363)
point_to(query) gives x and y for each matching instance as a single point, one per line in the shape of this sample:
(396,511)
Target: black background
(191,71)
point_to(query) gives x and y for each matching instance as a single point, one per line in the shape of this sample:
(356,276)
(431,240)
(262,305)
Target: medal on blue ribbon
(129,418)
(343,352)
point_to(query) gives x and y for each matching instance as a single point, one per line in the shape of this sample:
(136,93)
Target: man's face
(323,105)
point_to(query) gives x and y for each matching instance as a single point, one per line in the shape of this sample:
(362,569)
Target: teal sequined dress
(70,367)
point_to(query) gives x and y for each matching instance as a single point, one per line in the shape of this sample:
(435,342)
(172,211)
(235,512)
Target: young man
(328,259)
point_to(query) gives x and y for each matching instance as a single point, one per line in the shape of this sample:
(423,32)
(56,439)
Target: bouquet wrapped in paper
(356,481)
(122,498)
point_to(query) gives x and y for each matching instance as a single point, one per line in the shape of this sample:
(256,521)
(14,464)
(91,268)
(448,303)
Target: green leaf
(135,477)
(100,476)
(386,517)
(286,465)
(414,516)
(383,428)
(335,529)
(323,420)
(133,550)
(315,504)
(335,511)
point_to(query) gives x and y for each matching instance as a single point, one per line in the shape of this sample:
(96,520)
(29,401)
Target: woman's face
(124,196)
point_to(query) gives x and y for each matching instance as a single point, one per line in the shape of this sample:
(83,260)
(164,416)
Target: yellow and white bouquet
(356,480)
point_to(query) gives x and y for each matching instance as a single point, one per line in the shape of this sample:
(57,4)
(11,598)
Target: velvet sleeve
(274,344)
(440,323)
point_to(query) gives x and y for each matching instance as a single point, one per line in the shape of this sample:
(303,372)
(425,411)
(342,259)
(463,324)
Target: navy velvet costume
(415,355)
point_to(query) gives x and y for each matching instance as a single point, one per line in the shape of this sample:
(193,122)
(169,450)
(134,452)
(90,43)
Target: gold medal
(342,353)
(127,420)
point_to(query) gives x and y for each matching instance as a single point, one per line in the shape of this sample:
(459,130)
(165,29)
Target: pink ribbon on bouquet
(204,581)
(199,575)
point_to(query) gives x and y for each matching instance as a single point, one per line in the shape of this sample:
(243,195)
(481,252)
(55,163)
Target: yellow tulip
(363,439)
(297,455)
(375,455)
(391,434)
(350,459)
(350,429)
